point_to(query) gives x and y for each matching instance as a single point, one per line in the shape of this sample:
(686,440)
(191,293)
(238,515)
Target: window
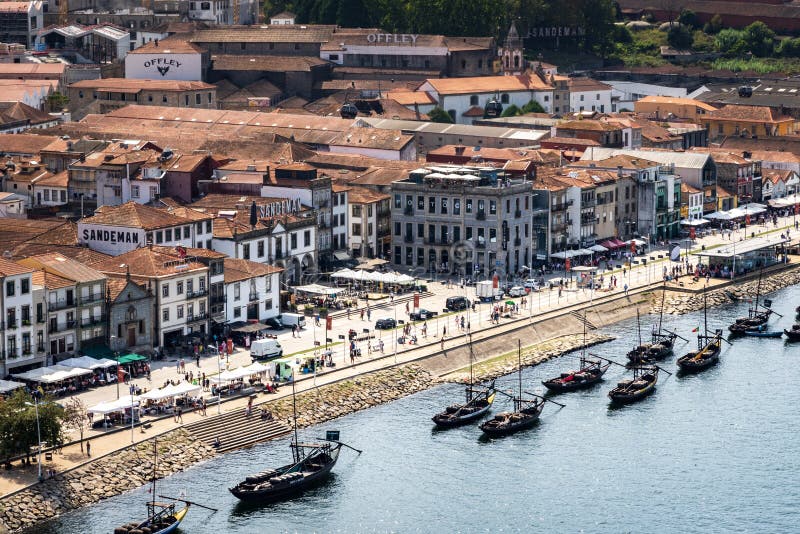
(237,312)
(25,286)
(179,288)
(356,229)
(165,314)
(237,291)
(420,230)
(492,235)
(186,232)
(186,100)
(398,202)
(164,99)
(473,100)
(260,249)
(444,206)
(357,210)
(421,203)
(268,304)
(581,98)
(432,205)
(307,238)
(208,227)
(165,290)
(190,311)
(246,251)
(492,207)
(180,312)
(504,98)
(293,241)
(397,228)
(468,207)
(10,289)
(135,191)
(209,98)
(547,98)
(47,194)
(168,235)
(202,281)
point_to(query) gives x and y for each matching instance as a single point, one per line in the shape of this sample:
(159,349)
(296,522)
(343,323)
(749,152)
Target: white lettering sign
(162,64)
(397,38)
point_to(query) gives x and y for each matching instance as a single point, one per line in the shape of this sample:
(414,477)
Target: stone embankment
(105,477)
(680,303)
(335,400)
(531,355)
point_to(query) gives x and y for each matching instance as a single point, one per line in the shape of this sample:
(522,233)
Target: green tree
(353,13)
(76,417)
(679,37)
(789,48)
(511,111)
(437,114)
(714,25)
(730,42)
(689,19)
(18,434)
(533,107)
(760,40)
(57,101)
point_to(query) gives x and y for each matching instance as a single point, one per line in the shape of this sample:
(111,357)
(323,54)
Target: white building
(16,303)
(624,94)
(51,190)
(225,11)
(172,59)
(692,200)
(12,205)
(252,290)
(586,94)
(284,17)
(369,222)
(21,22)
(118,229)
(466,98)
(179,283)
(339,224)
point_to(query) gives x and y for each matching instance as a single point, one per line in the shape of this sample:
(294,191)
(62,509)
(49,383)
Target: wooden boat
(661,344)
(755,316)
(478,402)
(794,333)
(525,415)
(526,411)
(591,372)
(763,333)
(313,463)
(162,517)
(708,348)
(632,390)
(706,355)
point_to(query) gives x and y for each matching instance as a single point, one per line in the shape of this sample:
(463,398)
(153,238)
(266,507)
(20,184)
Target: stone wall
(335,400)
(531,355)
(680,303)
(105,477)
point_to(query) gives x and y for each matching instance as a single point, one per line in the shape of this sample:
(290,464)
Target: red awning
(618,243)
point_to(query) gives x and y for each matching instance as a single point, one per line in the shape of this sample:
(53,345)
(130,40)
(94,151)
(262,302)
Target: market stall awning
(87,362)
(598,248)
(694,222)
(317,289)
(10,385)
(118,405)
(341,255)
(98,351)
(130,358)
(370,263)
(52,374)
(250,328)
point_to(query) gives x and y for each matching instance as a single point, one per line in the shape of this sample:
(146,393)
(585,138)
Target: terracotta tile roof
(170,45)
(15,7)
(776,156)
(474,111)
(64,267)
(21,143)
(81,254)
(776,175)
(191,252)
(10,268)
(373,138)
(14,232)
(116,285)
(133,215)
(50,280)
(216,201)
(571,141)
(147,263)
(487,84)
(589,125)
(29,172)
(223,62)
(188,213)
(578,85)
(11,112)
(723,193)
(746,113)
(686,188)
(362,195)
(409,98)
(237,270)
(265,34)
(656,99)
(60,179)
(130,85)
(620,160)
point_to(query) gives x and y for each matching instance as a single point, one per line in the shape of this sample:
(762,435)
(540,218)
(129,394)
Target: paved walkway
(540,305)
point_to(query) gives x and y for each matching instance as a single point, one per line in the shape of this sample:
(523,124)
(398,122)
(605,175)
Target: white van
(291,319)
(265,349)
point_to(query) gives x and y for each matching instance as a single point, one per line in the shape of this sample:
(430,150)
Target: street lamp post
(38,432)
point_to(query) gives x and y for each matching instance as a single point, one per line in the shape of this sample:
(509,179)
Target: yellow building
(746,121)
(661,107)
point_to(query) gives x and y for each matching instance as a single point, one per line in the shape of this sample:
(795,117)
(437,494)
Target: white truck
(265,349)
(291,319)
(486,291)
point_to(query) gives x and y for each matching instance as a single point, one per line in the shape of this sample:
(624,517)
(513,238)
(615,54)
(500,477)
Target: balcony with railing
(92,321)
(217,299)
(561,206)
(196,294)
(61,327)
(11,323)
(588,218)
(196,317)
(61,304)
(91,299)
(254,295)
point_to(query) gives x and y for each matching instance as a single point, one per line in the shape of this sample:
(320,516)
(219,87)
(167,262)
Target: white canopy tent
(54,373)
(317,289)
(694,222)
(87,362)
(183,388)
(373,276)
(255,368)
(118,405)
(7,386)
(598,248)
(785,202)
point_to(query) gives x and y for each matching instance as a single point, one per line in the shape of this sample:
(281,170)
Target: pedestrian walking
(88,448)
(203,405)
(380,345)
(177,366)
(362,314)
(625,287)
(406,308)
(425,329)
(348,314)
(294,330)
(369,314)
(444,331)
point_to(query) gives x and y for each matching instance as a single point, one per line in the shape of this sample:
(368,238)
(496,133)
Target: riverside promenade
(541,306)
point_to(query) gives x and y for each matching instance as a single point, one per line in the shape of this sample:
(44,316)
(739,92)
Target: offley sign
(162,64)
(397,38)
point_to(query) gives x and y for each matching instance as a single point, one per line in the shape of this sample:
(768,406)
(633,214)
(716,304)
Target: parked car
(532,284)
(457,303)
(274,323)
(385,324)
(265,349)
(422,315)
(517,291)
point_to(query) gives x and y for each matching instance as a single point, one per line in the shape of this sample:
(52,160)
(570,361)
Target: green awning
(130,358)
(98,351)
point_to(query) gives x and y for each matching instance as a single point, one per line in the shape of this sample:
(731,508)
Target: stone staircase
(236,430)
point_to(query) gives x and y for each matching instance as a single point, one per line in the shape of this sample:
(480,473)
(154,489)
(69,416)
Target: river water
(715,452)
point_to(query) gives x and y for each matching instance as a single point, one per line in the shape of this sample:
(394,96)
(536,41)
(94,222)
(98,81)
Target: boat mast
(705,314)
(661,315)
(155,463)
(758,289)
(639,326)
(296,448)
(519,364)
(583,347)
